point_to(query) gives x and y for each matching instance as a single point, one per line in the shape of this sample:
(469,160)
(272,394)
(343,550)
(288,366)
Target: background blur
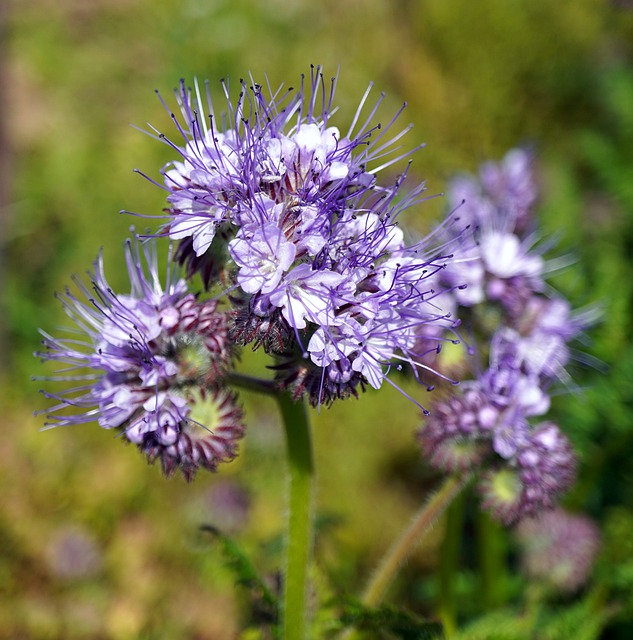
(96,544)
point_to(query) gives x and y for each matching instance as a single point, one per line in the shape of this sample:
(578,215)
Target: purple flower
(503,266)
(485,427)
(228,504)
(512,186)
(505,194)
(319,263)
(559,549)
(306,294)
(263,255)
(279,147)
(512,379)
(457,434)
(72,553)
(149,363)
(542,469)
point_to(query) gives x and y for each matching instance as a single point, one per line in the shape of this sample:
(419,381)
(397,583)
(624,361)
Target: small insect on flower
(148,364)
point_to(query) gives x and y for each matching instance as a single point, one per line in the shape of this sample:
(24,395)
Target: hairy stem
(491,552)
(403,547)
(448,567)
(250,383)
(294,615)
(300,517)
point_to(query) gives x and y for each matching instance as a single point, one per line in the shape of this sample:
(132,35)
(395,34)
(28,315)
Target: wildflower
(279,148)
(456,435)
(485,427)
(541,470)
(558,548)
(228,504)
(150,364)
(506,193)
(488,425)
(71,553)
(318,269)
(504,266)
(263,255)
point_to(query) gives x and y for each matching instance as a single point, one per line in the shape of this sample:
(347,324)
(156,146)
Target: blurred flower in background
(227,504)
(523,330)
(558,549)
(72,554)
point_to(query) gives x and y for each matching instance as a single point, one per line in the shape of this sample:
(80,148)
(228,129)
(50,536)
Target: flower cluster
(504,265)
(488,425)
(286,211)
(299,250)
(151,364)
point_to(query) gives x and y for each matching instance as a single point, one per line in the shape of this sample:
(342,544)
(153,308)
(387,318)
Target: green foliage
(616,566)
(389,622)
(264,603)
(579,621)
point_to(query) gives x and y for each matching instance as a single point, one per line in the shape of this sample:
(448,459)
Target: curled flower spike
(457,434)
(487,425)
(318,269)
(280,149)
(504,265)
(534,479)
(484,427)
(149,364)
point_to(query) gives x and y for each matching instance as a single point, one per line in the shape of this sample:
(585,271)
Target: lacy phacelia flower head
(558,549)
(503,266)
(484,428)
(505,192)
(321,272)
(270,160)
(150,363)
(487,425)
(538,474)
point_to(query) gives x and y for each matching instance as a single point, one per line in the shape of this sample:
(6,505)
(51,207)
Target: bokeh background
(96,544)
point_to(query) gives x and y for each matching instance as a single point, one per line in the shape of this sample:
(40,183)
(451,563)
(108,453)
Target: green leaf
(389,622)
(265,603)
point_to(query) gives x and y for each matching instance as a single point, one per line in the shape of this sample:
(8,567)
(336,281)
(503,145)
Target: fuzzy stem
(250,383)
(402,548)
(491,551)
(448,566)
(300,516)
(294,416)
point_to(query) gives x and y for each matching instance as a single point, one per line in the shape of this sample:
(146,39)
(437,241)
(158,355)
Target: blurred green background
(96,544)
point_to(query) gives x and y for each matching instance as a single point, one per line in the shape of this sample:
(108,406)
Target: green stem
(402,548)
(300,516)
(491,552)
(250,383)
(449,563)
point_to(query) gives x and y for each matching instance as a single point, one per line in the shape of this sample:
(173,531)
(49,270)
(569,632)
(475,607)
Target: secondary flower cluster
(151,365)
(488,425)
(299,251)
(285,209)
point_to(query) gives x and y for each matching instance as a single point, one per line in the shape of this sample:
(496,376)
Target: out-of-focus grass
(478,77)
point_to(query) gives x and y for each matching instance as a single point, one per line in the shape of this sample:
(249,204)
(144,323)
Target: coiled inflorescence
(286,211)
(488,424)
(151,365)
